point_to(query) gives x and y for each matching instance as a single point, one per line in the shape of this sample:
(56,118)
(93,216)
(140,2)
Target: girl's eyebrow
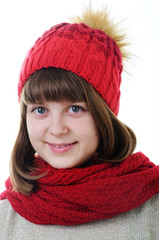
(36,103)
(62,102)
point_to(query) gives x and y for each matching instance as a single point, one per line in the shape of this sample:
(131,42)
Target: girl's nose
(58,126)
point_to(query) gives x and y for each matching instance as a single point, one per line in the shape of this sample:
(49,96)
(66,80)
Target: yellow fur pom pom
(101,20)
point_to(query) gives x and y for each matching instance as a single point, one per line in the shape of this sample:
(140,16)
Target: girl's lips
(61,148)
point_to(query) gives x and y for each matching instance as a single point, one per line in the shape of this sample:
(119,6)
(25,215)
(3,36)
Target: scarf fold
(80,195)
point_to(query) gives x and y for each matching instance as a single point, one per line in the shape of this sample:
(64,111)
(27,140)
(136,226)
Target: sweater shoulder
(155,216)
(4,209)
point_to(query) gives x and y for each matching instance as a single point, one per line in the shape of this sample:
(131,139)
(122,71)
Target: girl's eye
(40,110)
(75,109)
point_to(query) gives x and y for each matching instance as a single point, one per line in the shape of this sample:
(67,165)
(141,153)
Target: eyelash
(34,110)
(76,106)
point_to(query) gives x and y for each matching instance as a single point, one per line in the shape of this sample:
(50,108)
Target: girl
(73,174)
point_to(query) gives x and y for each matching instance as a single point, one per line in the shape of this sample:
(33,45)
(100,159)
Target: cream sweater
(141,223)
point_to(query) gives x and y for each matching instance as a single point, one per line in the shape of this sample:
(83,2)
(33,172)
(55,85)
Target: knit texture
(87,52)
(80,195)
(140,223)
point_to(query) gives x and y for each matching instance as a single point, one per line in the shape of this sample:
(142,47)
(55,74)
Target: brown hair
(117,141)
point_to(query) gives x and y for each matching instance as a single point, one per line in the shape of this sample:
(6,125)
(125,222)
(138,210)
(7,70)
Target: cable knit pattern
(80,195)
(88,52)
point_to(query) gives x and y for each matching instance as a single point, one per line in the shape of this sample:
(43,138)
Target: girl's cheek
(33,127)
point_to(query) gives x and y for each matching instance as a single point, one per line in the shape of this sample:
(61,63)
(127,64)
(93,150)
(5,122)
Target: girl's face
(64,134)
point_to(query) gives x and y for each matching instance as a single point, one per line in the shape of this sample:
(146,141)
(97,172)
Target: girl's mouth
(61,148)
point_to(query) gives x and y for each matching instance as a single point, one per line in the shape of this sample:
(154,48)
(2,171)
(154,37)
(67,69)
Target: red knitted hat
(89,53)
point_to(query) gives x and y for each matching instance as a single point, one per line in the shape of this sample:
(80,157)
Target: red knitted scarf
(80,195)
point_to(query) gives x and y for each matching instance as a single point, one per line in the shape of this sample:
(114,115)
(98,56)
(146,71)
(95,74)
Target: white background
(22,22)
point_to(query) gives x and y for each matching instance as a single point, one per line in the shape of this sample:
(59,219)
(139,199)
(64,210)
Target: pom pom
(100,19)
